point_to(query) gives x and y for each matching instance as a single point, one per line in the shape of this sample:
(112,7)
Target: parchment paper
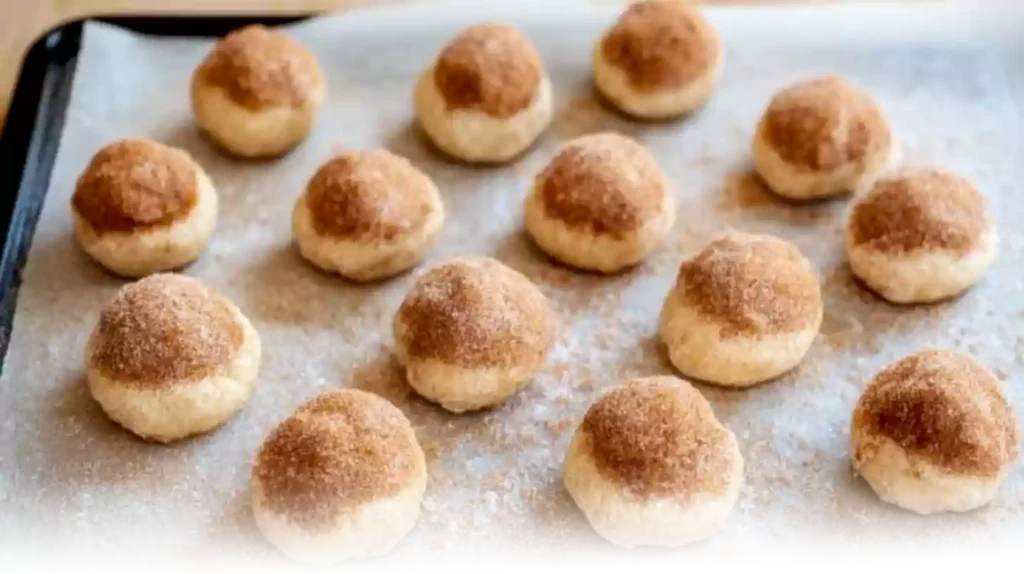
(72,480)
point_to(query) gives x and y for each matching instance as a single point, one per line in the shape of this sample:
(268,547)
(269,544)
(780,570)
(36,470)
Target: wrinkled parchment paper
(72,480)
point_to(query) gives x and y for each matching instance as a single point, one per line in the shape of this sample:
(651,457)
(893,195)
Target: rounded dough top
(658,437)
(923,209)
(752,285)
(492,68)
(165,329)
(373,195)
(605,183)
(824,123)
(475,312)
(944,406)
(661,44)
(261,68)
(338,450)
(136,184)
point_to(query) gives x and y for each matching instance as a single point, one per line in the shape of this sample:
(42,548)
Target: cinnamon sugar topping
(662,44)
(341,449)
(370,196)
(136,184)
(492,68)
(945,406)
(476,312)
(924,209)
(752,285)
(606,183)
(658,437)
(260,68)
(164,329)
(824,123)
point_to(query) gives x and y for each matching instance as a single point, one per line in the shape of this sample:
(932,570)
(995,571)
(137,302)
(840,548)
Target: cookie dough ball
(602,204)
(661,59)
(933,432)
(471,332)
(141,207)
(487,98)
(367,216)
(821,138)
(920,236)
(257,93)
(651,465)
(171,358)
(744,310)
(342,478)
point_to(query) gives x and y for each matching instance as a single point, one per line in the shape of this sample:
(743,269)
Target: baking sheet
(73,481)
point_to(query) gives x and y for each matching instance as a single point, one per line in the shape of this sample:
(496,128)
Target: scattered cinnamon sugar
(658,437)
(945,406)
(476,312)
(824,123)
(341,449)
(370,196)
(492,68)
(922,209)
(164,329)
(662,44)
(136,184)
(605,183)
(752,284)
(261,68)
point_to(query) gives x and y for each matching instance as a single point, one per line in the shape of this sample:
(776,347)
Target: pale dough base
(614,85)
(921,276)
(368,530)
(252,133)
(144,252)
(696,347)
(803,184)
(183,408)
(604,253)
(365,260)
(473,136)
(911,482)
(625,520)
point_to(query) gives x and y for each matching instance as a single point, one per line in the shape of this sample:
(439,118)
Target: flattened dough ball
(367,216)
(744,310)
(471,332)
(601,204)
(141,207)
(171,358)
(651,465)
(342,478)
(934,432)
(920,236)
(821,138)
(258,92)
(660,59)
(487,97)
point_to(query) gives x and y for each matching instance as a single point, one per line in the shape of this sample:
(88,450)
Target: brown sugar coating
(476,312)
(492,68)
(662,44)
(925,209)
(605,183)
(369,196)
(824,123)
(338,450)
(164,329)
(944,406)
(658,437)
(136,184)
(752,285)
(260,68)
